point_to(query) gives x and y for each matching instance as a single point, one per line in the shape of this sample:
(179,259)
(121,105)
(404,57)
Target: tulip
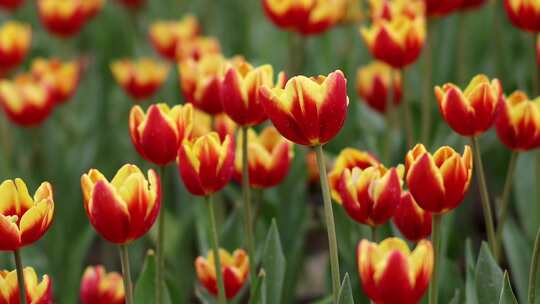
(240,92)
(124,209)
(412,221)
(385,9)
(439,8)
(471,4)
(15,39)
(140,79)
(197,48)
(391,273)
(36,292)
(234,267)
(524,14)
(98,286)
(167,35)
(10,5)
(270,157)
(374,82)
(26,101)
(62,78)
(518,122)
(470,112)
(157,134)
(92,7)
(308,111)
(438,182)
(348,158)
(398,41)
(62,18)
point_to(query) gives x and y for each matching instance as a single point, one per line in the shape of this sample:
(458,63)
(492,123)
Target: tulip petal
(36,221)
(426,184)
(10,238)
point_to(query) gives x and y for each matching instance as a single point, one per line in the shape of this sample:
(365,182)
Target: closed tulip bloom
(308,111)
(439,8)
(197,48)
(391,273)
(524,14)
(235,268)
(518,122)
(98,286)
(62,78)
(92,7)
(374,82)
(386,9)
(206,164)
(15,39)
(370,196)
(438,182)
(36,292)
(10,5)
(240,92)
(157,134)
(167,35)
(24,219)
(125,208)
(470,112)
(270,157)
(62,18)
(472,4)
(348,158)
(26,101)
(141,78)
(398,41)
(412,221)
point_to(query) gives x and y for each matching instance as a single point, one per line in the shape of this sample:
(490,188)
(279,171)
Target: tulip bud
(62,78)
(439,8)
(206,164)
(385,9)
(438,182)
(98,286)
(91,8)
(235,269)
(470,112)
(412,221)
(518,122)
(391,273)
(348,158)
(167,35)
(524,14)
(36,292)
(62,18)
(10,5)
(124,209)
(140,79)
(15,39)
(374,82)
(270,157)
(197,48)
(308,111)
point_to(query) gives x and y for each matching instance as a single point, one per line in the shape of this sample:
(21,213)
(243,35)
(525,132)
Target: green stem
(534,268)
(389,115)
(373,234)
(407,111)
(215,248)
(488,217)
(436,238)
(20,276)
(246,193)
(503,213)
(296,53)
(330,225)
(427,86)
(461,64)
(160,243)
(126,272)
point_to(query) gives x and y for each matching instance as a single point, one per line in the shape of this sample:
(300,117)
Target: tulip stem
(436,239)
(488,217)
(297,52)
(407,111)
(387,156)
(248,221)
(373,234)
(160,244)
(20,276)
(426,104)
(215,249)
(126,273)
(330,225)
(461,66)
(503,214)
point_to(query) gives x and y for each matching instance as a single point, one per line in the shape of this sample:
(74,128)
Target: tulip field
(269,151)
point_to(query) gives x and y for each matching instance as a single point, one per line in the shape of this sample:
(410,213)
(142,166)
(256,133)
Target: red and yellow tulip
(167,35)
(270,157)
(438,182)
(141,78)
(439,8)
(518,122)
(158,133)
(391,273)
(206,163)
(412,221)
(524,14)
(125,208)
(470,112)
(10,5)
(98,286)
(197,48)
(23,219)
(235,268)
(62,78)
(374,82)
(36,292)
(308,111)
(62,18)
(15,40)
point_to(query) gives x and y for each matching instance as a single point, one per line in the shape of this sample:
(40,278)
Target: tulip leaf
(507,295)
(489,277)
(518,252)
(273,263)
(146,284)
(456,299)
(345,295)
(470,283)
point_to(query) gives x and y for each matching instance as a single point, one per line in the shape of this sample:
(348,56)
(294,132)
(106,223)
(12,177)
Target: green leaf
(470,283)
(259,294)
(507,295)
(145,289)
(345,293)
(456,299)
(273,263)
(518,252)
(489,277)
